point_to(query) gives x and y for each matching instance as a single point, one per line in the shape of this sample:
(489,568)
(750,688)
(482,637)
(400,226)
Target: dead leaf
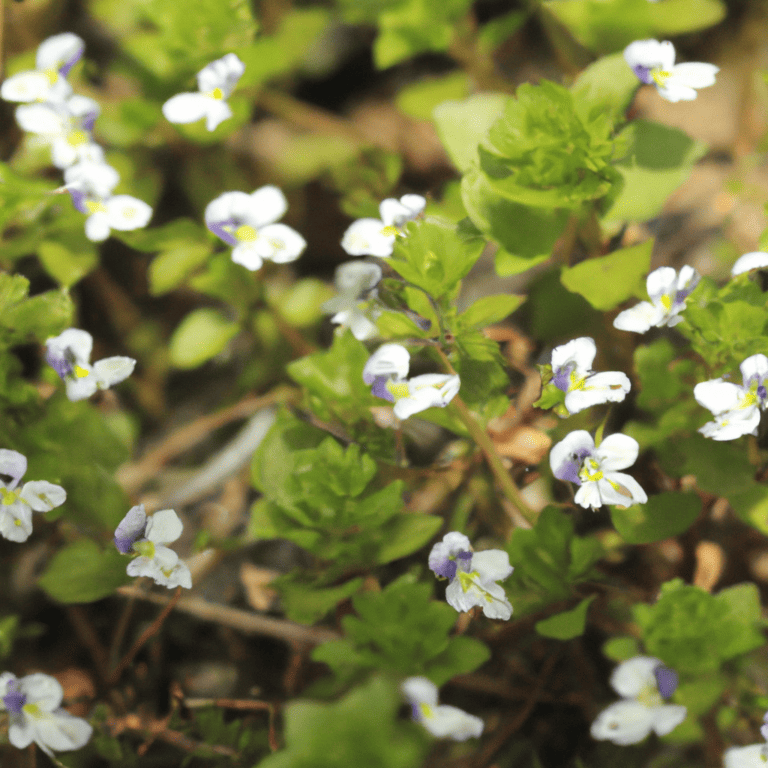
(255,580)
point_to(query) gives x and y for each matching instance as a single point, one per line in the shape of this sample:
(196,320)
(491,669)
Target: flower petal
(187,107)
(387,360)
(43,496)
(492,564)
(97,227)
(61,732)
(16,521)
(218,112)
(580,351)
(754,368)
(130,529)
(113,370)
(365,237)
(224,73)
(453,723)
(247,255)
(630,677)
(694,74)
(164,527)
(617,451)
(127,213)
(668,717)
(718,396)
(624,722)
(566,457)
(13,464)
(752,756)
(750,261)
(420,690)
(639,318)
(43,690)
(608,387)
(268,204)
(613,495)
(280,243)
(59,52)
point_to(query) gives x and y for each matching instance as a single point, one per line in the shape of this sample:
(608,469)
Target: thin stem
(483,440)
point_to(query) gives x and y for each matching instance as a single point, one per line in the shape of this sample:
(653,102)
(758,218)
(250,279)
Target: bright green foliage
(9,631)
(420,99)
(434,257)
(548,559)
(83,572)
(360,729)
(549,149)
(404,631)
(694,632)
(611,26)
(608,82)
(490,310)
(202,334)
(566,625)
(664,515)
(659,161)
(608,281)
(621,648)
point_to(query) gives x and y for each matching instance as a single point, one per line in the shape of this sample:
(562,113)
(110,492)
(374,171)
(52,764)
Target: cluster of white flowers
(65,122)
(33,704)
(654,64)
(386,372)
(17,504)
(472,576)
(144,537)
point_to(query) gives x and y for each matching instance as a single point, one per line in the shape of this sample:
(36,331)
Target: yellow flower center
(750,399)
(426,711)
(216,93)
(76,138)
(666,301)
(398,389)
(246,233)
(650,696)
(8,497)
(576,382)
(590,472)
(145,548)
(660,77)
(80,372)
(33,710)
(52,75)
(95,207)
(390,230)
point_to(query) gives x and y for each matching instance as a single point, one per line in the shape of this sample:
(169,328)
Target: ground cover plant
(382,383)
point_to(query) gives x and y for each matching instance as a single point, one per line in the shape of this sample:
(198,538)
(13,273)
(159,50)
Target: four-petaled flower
(69,354)
(105,213)
(215,83)
(575,458)
(572,373)
(654,64)
(247,222)
(33,704)
(55,58)
(356,282)
(17,504)
(643,683)
(376,237)
(441,720)
(736,408)
(145,537)
(472,575)
(668,292)
(750,261)
(386,370)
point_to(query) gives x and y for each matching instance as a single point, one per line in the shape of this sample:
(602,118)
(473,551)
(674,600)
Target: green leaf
(659,161)
(621,648)
(608,82)
(462,125)
(169,269)
(361,729)
(568,624)
(664,515)
(64,265)
(82,573)
(406,534)
(306,603)
(489,310)
(201,335)
(421,98)
(607,281)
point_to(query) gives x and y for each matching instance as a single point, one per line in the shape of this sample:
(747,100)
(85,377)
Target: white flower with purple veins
(69,355)
(107,212)
(668,292)
(643,683)
(736,408)
(247,222)
(215,83)
(576,459)
(376,237)
(572,373)
(441,720)
(66,126)
(472,575)
(33,704)
(145,538)
(356,282)
(17,504)
(654,64)
(750,261)
(385,372)
(55,58)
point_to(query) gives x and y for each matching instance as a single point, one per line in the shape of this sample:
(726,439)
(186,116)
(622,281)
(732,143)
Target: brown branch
(84,629)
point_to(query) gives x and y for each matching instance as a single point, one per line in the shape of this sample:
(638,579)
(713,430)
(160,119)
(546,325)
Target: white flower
(572,373)
(215,83)
(356,281)
(145,537)
(750,261)
(736,408)
(654,63)
(33,704)
(92,175)
(65,125)
(668,292)
(55,58)
(386,370)
(472,575)
(247,223)
(376,237)
(643,683)
(17,504)
(575,458)
(69,355)
(105,213)
(440,720)
(753,756)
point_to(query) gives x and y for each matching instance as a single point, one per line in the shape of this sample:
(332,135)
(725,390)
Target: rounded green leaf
(202,335)
(662,516)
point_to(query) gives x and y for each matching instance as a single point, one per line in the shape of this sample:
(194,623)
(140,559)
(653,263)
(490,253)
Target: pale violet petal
(718,396)
(639,318)
(623,723)
(268,204)
(577,443)
(12,464)
(420,690)
(580,352)
(754,367)
(667,717)
(224,73)
(186,107)
(280,243)
(58,50)
(617,451)
(632,676)
(750,261)
(387,360)
(650,54)
(130,529)
(43,496)
(164,527)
